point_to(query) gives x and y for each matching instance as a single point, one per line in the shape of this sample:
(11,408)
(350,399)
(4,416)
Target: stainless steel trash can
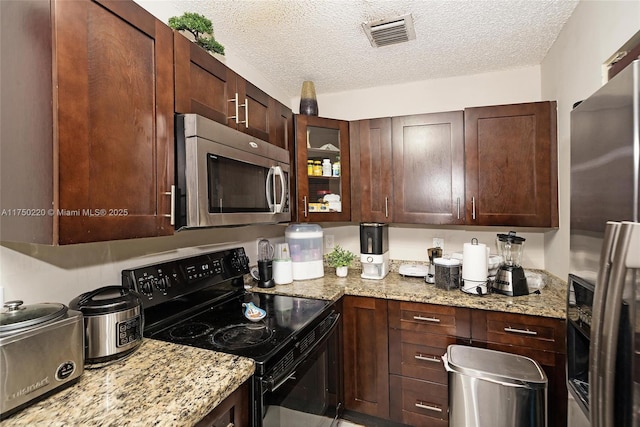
(490,388)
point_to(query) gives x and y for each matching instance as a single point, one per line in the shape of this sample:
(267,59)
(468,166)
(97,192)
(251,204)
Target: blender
(510,278)
(265,264)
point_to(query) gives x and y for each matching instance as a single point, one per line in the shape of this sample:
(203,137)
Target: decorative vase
(308,101)
(342,271)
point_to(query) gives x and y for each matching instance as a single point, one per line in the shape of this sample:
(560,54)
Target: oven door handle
(272,384)
(291,376)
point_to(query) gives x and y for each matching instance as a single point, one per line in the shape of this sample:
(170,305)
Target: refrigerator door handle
(626,247)
(599,300)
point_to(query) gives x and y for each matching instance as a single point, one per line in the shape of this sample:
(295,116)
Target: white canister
(282,271)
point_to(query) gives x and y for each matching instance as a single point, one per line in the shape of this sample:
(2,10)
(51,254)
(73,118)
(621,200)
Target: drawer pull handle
(427,319)
(422,405)
(520,331)
(421,356)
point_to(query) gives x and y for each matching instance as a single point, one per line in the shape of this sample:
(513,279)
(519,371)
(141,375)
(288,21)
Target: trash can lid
(496,366)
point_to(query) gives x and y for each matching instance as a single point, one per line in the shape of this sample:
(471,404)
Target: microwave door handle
(625,250)
(279,172)
(599,301)
(268,191)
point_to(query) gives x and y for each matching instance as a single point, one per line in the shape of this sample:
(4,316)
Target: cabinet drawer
(435,319)
(520,330)
(418,402)
(418,355)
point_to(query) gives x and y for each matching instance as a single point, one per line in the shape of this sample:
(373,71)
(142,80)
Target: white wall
(38,273)
(447,94)
(571,71)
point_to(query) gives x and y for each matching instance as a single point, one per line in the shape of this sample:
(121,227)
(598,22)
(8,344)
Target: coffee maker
(374,250)
(510,278)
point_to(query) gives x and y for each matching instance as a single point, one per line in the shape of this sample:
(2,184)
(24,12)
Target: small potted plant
(341,260)
(200,27)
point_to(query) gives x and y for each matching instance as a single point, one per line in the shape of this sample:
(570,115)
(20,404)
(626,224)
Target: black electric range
(198,301)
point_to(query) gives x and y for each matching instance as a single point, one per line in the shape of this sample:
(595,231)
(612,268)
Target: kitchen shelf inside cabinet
(323,152)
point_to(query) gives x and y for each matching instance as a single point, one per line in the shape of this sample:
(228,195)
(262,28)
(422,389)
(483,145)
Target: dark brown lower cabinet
(393,352)
(366,364)
(418,403)
(233,411)
(539,338)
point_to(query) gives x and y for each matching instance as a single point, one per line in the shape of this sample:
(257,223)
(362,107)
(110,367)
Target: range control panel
(168,280)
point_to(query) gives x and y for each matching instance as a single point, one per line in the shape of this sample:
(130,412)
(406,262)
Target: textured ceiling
(322,40)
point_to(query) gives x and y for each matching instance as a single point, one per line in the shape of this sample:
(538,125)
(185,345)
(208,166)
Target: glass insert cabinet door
(322,161)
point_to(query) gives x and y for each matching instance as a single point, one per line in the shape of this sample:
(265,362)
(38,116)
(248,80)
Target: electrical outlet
(329,242)
(438,242)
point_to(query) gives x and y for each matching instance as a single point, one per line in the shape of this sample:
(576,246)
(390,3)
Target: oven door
(308,394)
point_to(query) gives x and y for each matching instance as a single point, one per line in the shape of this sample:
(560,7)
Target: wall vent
(384,32)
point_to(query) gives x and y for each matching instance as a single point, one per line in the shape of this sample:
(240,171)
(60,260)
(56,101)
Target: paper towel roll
(474,262)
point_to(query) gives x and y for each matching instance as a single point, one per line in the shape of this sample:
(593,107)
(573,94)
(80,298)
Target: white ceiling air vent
(384,32)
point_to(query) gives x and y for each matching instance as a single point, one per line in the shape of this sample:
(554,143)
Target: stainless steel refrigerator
(604,281)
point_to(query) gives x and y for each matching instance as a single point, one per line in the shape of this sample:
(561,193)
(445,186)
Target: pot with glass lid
(41,352)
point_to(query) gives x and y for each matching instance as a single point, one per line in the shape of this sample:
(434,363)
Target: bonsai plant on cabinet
(200,27)
(341,260)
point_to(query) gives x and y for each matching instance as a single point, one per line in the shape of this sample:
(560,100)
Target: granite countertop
(160,384)
(550,302)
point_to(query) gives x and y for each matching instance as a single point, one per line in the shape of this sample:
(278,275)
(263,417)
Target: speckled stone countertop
(161,384)
(551,302)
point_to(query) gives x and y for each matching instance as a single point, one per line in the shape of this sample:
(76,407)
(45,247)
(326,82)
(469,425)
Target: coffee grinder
(510,278)
(374,250)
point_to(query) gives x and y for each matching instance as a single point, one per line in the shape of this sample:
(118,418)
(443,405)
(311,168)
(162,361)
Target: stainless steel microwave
(225,177)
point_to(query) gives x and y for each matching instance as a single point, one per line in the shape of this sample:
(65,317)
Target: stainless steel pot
(113,323)
(41,352)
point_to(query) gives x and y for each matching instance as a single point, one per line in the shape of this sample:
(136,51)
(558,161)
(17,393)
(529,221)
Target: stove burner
(190,331)
(244,335)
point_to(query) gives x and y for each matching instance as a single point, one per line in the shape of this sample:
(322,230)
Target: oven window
(309,397)
(236,186)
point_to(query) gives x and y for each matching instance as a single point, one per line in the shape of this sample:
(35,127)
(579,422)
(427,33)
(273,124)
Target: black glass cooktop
(224,327)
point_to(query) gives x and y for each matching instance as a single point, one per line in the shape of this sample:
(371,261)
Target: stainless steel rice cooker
(41,352)
(113,323)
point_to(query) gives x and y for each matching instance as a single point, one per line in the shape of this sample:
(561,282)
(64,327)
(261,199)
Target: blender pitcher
(265,264)
(510,279)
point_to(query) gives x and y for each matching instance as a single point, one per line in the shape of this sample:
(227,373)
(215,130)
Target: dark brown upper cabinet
(428,168)
(372,170)
(317,139)
(103,165)
(411,168)
(511,165)
(205,86)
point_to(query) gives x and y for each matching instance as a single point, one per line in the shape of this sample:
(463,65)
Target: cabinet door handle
(386,207)
(422,405)
(246,113)
(427,319)
(235,99)
(304,200)
(520,331)
(433,359)
(458,204)
(172,211)
(473,208)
